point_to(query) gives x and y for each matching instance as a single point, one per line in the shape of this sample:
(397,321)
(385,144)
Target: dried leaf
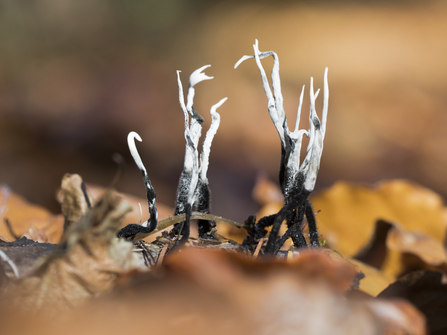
(202,292)
(74,201)
(25,255)
(133,216)
(4,239)
(28,220)
(400,317)
(396,251)
(86,263)
(375,251)
(349,212)
(373,282)
(228,271)
(427,290)
(428,248)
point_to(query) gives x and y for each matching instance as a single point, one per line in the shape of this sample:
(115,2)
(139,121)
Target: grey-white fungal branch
(150,192)
(297,180)
(193,183)
(193,130)
(196,77)
(203,193)
(275,99)
(191,150)
(206,146)
(190,174)
(291,141)
(317,130)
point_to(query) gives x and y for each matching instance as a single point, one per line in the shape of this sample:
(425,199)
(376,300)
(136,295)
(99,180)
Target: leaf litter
(94,282)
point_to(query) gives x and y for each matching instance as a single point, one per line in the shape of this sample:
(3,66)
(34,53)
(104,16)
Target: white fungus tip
(243,58)
(131,137)
(197,76)
(203,68)
(220,103)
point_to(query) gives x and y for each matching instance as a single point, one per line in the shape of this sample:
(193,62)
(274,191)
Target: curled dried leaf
(73,198)
(348,212)
(27,219)
(86,263)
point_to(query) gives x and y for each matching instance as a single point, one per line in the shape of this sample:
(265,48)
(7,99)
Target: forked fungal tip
(134,135)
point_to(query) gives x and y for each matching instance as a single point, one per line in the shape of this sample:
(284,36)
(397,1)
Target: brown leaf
(426,247)
(226,271)
(374,281)
(349,212)
(204,292)
(74,203)
(375,251)
(4,239)
(86,263)
(427,290)
(133,216)
(28,220)
(400,317)
(396,251)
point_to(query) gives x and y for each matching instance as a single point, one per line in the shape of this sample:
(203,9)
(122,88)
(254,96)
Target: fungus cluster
(297,179)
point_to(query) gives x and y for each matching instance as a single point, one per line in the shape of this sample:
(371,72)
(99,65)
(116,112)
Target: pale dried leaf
(29,220)
(72,199)
(86,263)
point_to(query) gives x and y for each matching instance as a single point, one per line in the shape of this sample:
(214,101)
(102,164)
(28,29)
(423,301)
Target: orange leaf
(349,212)
(30,220)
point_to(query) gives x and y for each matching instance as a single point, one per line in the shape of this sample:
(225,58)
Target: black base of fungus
(273,242)
(186,226)
(134,231)
(313,233)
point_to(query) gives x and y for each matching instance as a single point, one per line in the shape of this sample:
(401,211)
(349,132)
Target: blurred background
(77,75)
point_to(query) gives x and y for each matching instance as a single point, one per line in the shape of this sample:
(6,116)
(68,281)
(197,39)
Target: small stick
(84,191)
(146,253)
(162,254)
(163,224)
(258,247)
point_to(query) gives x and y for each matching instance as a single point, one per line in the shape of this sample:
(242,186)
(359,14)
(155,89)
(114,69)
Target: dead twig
(162,254)
(163,224)
(258,247)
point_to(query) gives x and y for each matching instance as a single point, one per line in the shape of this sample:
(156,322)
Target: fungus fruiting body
(193,188)
(296,181)
(135,231)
